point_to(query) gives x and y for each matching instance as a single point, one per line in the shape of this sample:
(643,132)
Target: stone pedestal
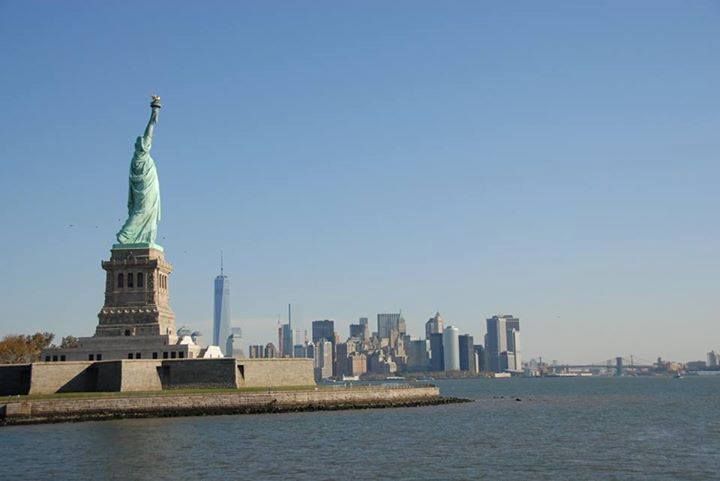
(136,321)
(137,300)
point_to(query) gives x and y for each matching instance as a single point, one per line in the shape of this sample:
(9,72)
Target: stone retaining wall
(14,379)
(140,376)
(204,374)
(56,410)
(73,376)
(276,372)
(152,375)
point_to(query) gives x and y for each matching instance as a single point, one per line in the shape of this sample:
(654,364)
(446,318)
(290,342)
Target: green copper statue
(144,193)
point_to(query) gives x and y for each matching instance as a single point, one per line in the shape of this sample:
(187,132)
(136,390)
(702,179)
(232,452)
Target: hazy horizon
(554,161)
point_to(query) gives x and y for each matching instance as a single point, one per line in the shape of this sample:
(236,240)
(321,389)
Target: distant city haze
(558,162)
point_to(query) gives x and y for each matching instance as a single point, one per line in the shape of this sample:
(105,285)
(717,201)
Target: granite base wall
(14,380)
(200,374)
(140,376)
(109,376)
(74,376)
(276,372)
(152,375)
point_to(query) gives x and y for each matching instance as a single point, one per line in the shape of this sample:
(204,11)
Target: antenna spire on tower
(221,262)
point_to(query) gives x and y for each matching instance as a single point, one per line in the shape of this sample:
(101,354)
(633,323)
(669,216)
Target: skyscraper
(323,359)
(360,330)
(300,350)
(512,324)
(417,355)
(480,358)
(286,337)
(467,353)
(357,364)
(342,354)
(514,335)
(357,331)
(301,344)
(287,341)
(270,350)
(234,344)
(434,325)
(257,351)
(500,339)
(495,342)
(437,361)
(221,311)
(451,348)
(388,323)
(323,330)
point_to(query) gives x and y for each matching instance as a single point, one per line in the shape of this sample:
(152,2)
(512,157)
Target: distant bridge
(620,365)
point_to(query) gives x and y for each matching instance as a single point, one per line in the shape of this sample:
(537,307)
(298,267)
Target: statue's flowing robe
(143,198)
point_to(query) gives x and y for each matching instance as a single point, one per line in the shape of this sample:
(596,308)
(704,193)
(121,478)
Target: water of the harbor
(575,429)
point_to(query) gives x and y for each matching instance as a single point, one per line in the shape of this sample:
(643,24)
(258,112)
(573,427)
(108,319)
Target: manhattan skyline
(556,163)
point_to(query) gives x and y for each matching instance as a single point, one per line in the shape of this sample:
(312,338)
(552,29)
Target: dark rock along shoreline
(205,410)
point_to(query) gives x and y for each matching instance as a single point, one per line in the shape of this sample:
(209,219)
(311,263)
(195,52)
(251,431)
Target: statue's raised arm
(155,106)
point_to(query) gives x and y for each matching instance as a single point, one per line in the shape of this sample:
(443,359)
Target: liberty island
(137,348)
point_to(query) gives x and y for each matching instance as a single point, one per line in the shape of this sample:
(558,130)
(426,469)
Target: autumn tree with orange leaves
(19,349)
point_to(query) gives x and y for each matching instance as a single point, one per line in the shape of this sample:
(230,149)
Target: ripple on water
(589,429)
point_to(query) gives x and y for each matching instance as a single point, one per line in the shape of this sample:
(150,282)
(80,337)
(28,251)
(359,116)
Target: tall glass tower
(221,311)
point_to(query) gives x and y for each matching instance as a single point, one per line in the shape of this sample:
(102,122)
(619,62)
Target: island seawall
(115,406)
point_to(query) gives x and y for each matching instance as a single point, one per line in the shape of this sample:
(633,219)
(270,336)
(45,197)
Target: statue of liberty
(144,192)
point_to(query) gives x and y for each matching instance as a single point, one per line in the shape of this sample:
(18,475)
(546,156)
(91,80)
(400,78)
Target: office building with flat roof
(324,329)
(437,361)
(467,353)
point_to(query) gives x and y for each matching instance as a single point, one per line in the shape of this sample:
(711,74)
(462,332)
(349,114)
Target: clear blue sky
(556,161)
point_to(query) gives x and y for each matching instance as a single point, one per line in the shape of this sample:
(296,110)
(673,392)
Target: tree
(69,341)
(19,349)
